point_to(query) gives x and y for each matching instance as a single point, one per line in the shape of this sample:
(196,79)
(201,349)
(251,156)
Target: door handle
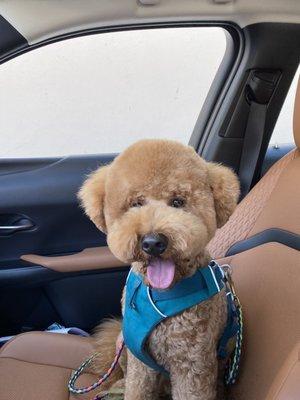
(12,223)
(16,227)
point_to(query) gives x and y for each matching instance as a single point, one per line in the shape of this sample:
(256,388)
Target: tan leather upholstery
(38,366)
(91,258)
(287,382)
(270,203)
(296,125)
(245,221)
(282,210)
(267,279)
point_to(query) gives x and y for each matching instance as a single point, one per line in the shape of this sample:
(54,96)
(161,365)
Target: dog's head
(160,204)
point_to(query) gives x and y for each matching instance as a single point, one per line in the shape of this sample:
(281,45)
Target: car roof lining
(41,20)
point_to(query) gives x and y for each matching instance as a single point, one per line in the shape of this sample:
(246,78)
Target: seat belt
(252,144)
(259,90)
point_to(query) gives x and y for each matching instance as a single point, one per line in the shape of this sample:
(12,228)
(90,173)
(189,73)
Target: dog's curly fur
(132,197)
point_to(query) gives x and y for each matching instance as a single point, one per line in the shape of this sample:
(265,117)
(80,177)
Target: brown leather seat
(272,203)
(267,278)
(38,365)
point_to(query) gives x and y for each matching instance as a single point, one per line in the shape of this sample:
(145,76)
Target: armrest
(87,259)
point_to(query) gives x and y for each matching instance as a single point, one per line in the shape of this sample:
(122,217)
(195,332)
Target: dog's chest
(189,335)
(196,331)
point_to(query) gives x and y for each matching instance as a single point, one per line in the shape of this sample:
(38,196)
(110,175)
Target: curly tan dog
(162,190)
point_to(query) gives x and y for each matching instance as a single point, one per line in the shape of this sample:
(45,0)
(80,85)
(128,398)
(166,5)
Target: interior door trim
(88,259)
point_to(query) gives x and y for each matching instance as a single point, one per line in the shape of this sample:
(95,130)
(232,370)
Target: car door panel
(47,197)
(32,300)
(33,296)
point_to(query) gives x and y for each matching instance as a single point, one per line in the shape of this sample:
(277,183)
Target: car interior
(55,265)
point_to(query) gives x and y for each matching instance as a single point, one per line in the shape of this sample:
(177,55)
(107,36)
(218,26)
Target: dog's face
(160,204)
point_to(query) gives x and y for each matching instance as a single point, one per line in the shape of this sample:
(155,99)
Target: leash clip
(230,284)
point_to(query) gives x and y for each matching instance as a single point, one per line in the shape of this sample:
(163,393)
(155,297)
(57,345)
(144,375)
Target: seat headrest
(297,116)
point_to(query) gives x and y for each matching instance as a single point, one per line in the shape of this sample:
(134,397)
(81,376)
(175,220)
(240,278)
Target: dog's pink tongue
(160,273)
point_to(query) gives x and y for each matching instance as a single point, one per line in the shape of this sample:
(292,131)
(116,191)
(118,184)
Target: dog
(160,204)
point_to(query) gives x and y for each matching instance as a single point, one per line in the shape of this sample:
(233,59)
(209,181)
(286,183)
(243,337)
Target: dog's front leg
(197,383)
(141,381)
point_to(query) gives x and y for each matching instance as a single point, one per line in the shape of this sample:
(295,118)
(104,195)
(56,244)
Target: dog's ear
(225,188)
(91,196)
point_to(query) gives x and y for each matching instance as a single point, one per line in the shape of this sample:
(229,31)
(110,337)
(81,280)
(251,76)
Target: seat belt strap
(252,144)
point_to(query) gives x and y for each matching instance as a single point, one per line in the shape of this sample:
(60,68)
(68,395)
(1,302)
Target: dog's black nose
(154,244)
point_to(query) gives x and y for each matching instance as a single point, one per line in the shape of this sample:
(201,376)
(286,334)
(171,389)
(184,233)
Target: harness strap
(145,308)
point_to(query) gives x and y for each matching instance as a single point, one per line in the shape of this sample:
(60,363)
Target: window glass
(283,131)
(100,93)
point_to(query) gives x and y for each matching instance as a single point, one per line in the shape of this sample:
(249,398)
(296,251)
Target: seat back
(267,277)
(274,203)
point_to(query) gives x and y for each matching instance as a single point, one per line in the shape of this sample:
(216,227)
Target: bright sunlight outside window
(99,93)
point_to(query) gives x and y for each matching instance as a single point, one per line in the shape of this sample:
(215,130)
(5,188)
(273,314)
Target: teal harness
(145,308)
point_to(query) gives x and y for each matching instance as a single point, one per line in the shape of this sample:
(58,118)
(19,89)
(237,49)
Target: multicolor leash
(101,380)
(234,361)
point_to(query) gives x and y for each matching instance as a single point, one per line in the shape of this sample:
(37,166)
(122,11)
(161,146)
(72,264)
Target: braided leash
(234,361)
(100,381)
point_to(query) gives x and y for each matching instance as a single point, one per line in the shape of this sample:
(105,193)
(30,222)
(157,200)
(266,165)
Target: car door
(89,96)
(40,215)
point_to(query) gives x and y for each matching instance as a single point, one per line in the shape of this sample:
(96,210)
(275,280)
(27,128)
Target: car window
(99,93)
(283,131)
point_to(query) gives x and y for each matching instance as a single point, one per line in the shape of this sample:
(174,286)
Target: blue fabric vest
(145,308)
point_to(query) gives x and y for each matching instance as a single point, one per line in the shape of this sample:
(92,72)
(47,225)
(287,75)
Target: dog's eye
(137,203)
(177,202)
